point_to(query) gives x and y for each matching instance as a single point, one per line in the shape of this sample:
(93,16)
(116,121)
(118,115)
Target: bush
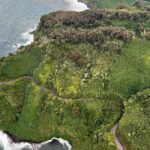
(78,58)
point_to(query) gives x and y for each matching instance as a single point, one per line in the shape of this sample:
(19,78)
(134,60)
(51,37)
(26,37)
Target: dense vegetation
(134,126)
(83,71)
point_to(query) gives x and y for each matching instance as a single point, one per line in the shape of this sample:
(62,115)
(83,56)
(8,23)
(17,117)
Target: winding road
(120,146)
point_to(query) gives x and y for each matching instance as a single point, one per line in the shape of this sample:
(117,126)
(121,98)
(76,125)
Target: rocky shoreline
(11,142)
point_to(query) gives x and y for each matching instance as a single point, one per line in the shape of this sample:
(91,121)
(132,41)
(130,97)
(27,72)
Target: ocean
(20,17)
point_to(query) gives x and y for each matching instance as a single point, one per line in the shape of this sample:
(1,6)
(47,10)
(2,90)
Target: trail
(51,90)
(14,80)
(120,146)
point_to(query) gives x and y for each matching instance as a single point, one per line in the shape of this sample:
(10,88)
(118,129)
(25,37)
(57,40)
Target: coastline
(23,35)
(11,142)
(28,36)
(33,83)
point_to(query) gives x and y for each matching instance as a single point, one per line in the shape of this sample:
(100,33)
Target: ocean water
(19,17)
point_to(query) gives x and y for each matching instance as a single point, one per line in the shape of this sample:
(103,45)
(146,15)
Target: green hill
(81,74)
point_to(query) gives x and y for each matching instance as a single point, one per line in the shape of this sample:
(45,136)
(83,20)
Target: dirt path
(116,140)
(14,80)
(52,91)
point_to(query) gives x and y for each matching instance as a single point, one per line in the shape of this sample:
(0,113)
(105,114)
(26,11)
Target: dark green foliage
(134,126)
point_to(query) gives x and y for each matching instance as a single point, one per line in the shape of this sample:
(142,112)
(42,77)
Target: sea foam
(6,143)
(75,5)
(28,38)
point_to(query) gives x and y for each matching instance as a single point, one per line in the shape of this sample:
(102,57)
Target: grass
(134,126)
(125,23)
(130,72)
(11,101)
(21,64)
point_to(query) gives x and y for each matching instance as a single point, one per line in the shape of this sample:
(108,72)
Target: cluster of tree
(88,18)
(78,58)
(92,18)
(148,35)
(47,22)
(95,36)
(90,26)
(113,46)
(142,31)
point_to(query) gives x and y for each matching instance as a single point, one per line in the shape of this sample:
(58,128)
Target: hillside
(85,72)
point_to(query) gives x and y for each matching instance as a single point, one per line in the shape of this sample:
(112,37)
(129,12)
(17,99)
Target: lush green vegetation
(21,64)
(28,108)
(134,126)
(12,98)
(73,80)
(130,73)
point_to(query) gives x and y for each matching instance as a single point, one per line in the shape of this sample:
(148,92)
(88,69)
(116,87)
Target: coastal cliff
(85,72)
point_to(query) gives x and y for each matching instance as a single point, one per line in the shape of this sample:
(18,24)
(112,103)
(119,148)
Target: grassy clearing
(130,73)
(132,25)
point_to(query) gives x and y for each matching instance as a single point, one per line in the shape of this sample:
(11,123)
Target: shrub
(78,58)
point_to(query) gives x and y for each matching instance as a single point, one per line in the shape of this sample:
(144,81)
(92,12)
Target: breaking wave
(7,143)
